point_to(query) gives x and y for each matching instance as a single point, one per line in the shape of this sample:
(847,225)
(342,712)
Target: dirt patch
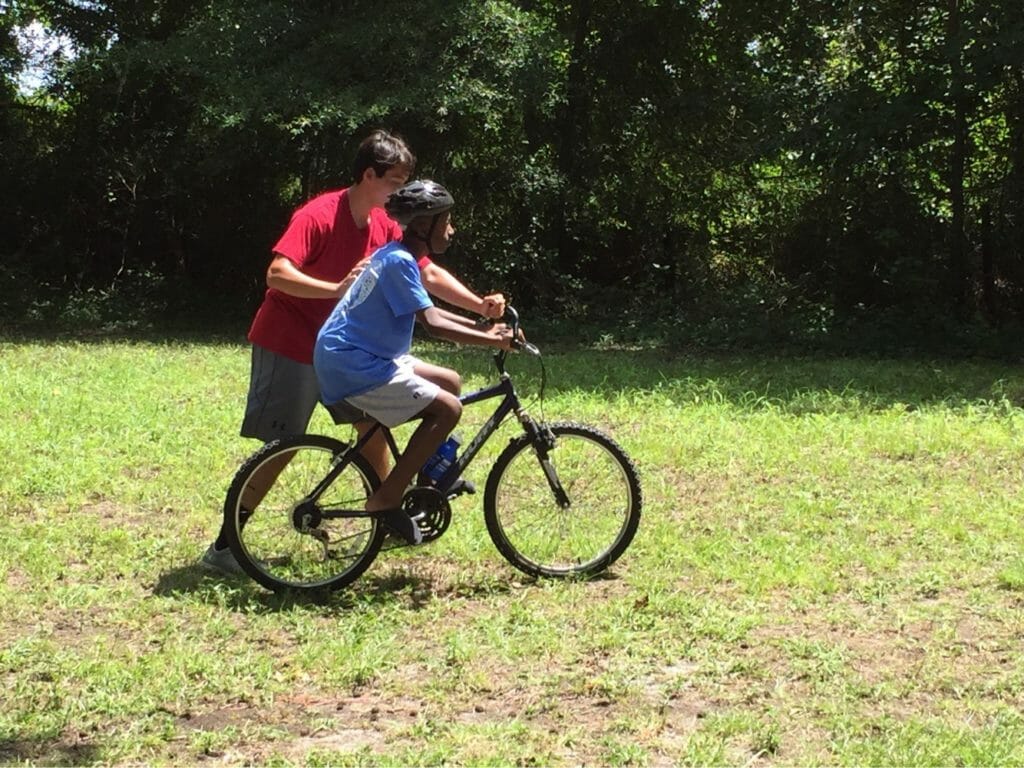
(18,580)
(340,741)
(232,715)
(895,663)
(111,515)
(70,749)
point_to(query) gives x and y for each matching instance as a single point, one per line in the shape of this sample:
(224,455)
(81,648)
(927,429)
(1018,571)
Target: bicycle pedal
(402,525)
(460,487)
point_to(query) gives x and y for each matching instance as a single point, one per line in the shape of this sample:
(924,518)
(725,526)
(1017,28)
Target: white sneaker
(222,560)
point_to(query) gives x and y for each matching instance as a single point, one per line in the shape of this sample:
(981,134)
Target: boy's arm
(284,276)
(455,318)
(462,330)
(299,241)
(444,285)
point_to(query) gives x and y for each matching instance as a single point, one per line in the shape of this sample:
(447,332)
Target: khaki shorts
(393,403)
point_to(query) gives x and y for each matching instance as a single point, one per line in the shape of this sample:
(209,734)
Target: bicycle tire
(539,537)
(269,543)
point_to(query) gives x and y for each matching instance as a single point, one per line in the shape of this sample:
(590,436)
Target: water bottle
(443,458)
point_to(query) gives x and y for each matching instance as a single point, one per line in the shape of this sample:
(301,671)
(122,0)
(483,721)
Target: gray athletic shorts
(394,403)
(282,396)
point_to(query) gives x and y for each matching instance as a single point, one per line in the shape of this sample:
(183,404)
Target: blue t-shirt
(371,326)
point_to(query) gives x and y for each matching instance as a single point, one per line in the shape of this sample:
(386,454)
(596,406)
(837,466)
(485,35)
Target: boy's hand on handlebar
(499,329)
(504,332)
(493,306)
(508,342)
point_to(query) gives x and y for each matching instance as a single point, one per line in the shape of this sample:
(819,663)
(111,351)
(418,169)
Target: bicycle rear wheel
(289,542)
(598,514)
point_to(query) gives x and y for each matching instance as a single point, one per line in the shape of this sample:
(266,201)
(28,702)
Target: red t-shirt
(324,242)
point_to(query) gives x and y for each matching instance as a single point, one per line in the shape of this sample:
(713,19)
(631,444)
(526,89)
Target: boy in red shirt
(324,240)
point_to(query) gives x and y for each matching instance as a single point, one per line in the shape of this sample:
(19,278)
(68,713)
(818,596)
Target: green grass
(829,571)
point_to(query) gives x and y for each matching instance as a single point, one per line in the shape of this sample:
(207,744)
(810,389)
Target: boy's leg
(407,396)
(439,418)
(376,449)
(445,378)
(450,381)
(282,396)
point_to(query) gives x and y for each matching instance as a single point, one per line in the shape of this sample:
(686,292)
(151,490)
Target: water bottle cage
(438,464)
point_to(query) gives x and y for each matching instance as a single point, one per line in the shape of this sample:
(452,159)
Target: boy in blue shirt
(362,355)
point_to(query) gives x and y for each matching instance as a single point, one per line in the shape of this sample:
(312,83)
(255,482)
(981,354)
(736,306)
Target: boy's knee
(452,382)
(446,378)
(448,408)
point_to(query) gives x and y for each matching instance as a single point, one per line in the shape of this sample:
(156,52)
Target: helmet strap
(430,233)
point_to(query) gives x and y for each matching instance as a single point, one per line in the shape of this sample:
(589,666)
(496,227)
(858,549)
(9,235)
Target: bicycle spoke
(292,542)
(543,538)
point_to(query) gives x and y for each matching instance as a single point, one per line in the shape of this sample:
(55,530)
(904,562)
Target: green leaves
(796,154)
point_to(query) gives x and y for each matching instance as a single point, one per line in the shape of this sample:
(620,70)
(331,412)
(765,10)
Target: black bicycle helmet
(418,198)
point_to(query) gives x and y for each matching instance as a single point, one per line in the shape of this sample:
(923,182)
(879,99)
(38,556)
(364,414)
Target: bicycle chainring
(430,509)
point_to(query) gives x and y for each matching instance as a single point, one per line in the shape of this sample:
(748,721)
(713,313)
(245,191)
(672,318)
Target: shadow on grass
(41,751)
(410,591)
(223,334)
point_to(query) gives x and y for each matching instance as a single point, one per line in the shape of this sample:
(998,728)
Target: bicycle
(561,500)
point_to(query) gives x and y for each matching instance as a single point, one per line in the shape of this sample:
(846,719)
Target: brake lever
(524,346)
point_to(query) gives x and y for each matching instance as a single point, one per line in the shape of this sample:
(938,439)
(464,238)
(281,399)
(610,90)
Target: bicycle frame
(510,403)
(323,496)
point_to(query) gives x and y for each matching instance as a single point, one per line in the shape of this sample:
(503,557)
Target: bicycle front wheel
(291,531)
(567,510)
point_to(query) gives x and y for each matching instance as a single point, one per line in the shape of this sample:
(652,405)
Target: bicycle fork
(543,441)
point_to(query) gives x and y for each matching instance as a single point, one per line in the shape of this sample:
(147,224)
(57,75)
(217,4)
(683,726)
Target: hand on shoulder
(346,282)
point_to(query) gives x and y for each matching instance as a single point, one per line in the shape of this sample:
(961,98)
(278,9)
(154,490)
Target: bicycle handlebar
(511,319)
(526,346)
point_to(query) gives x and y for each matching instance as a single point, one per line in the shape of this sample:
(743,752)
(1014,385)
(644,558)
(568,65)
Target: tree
(789,166)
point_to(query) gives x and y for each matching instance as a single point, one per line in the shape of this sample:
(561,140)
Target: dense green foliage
(799,167)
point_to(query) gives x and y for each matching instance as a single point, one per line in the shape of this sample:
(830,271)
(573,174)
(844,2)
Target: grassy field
(829,571)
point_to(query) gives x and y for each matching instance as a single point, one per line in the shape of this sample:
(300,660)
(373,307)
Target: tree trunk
(1010,227)
(959,273)
(573,132)
(988,268)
